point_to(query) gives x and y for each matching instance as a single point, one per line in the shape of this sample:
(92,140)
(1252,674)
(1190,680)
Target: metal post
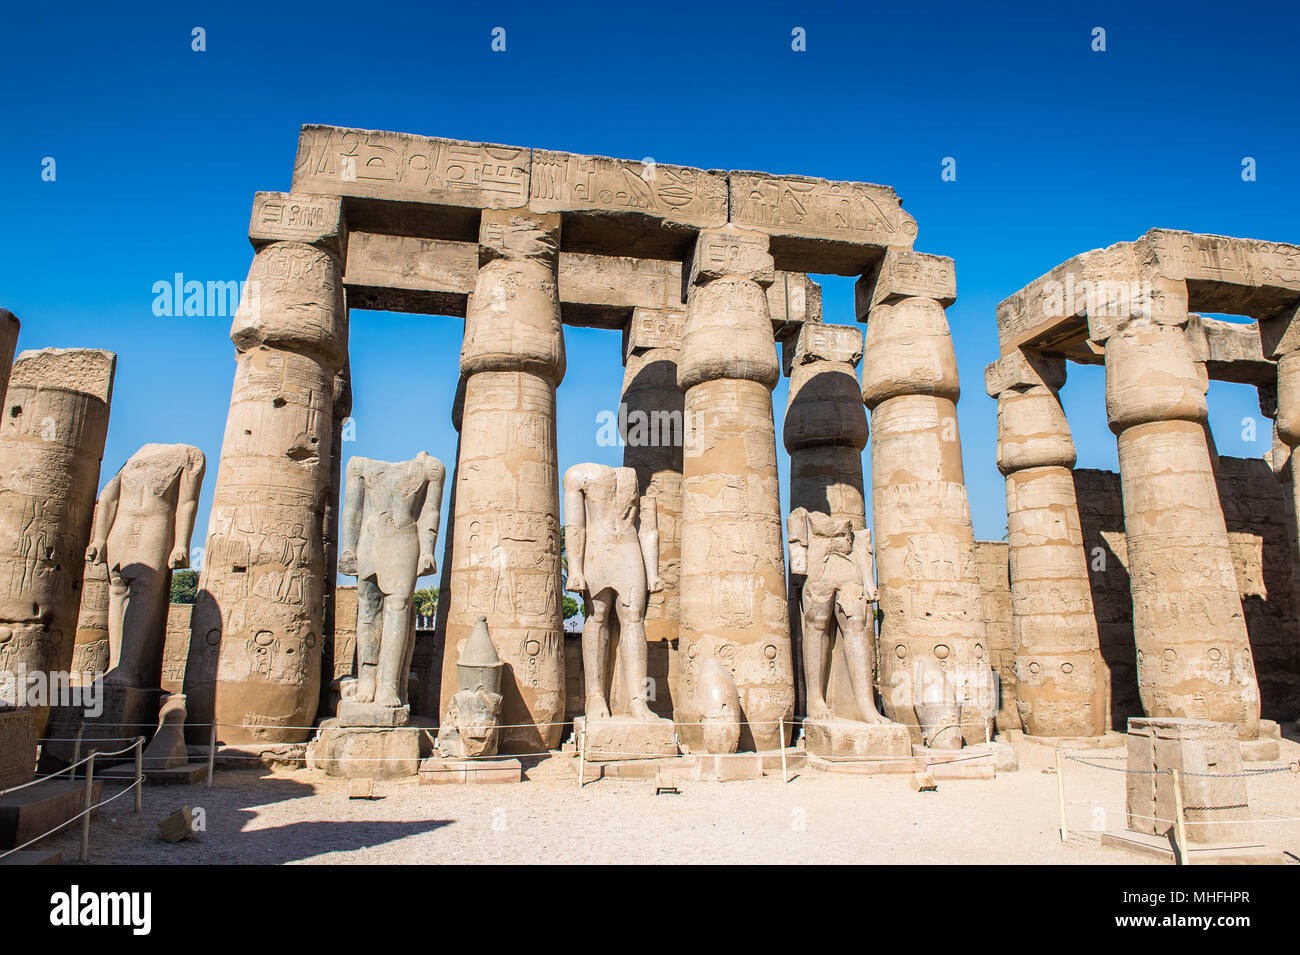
(139,774)
(582,754)
(85,815)
(785,777)
(1060,789)
(1180,828)
(212,754)
(76,747)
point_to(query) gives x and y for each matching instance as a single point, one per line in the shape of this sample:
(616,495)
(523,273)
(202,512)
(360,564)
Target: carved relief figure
(142,532)
(614,564)
(390,527)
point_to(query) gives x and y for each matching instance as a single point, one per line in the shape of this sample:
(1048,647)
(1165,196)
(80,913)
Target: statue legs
(370,608)
(136,618)
(851,612)
(631,650)
(595,654)
(817,612)
(392,650)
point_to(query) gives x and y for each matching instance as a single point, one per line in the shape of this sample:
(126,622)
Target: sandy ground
(304,816)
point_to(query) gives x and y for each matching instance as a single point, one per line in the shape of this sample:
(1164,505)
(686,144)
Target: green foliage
(571,607)
(426,601)
(185,586)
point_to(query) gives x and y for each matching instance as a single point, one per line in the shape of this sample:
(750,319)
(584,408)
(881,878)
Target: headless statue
(390,527)
(143,524)
(838,594)
(614,564)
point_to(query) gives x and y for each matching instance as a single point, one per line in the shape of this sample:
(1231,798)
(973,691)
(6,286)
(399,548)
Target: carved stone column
(933,651)
(1193,653)
(654,431)
(733,589)
(9,327)
(506,557)
(255,648)
(51,443)
(1062,682)
(825,432)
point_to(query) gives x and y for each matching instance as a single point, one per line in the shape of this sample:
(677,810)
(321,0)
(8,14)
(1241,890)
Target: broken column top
(88,370)
(423,186)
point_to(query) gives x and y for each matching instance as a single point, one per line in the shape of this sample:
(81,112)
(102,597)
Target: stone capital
(519,236)
(730,250)
(1021,370)
(903,274)
(817,342)
(298,217)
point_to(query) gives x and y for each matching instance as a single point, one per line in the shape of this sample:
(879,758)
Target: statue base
(353,713)
(849,739)
(621,737)
(437,770)
(125,713)
(373,752)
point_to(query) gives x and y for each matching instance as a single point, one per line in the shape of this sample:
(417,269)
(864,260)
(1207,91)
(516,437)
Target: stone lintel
(902,273)
(1229,275)
(404,167)
(286,217)
(1231,351)
(818,225)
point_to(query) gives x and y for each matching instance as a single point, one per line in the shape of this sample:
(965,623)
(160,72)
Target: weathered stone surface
(167,748)
(401,167)
(17,746)
(470,729)
(365,751)
(616,738)
(1207,756)
(9,328)
(902,273)
(992,565)
(142,529)
(506,556)
(733,590)
(821,226)
(177,826)
(176,647)
(852,739)
(51,442)
(934,661)
(257,624)
(286,217)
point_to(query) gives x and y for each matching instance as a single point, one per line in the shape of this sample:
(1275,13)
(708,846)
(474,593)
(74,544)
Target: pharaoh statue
(469,727)
(142,529)
(838,594)
(614,564)
(390,527)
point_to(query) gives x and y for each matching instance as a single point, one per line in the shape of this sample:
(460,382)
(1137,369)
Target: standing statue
(613,563)
(390,527)
(838,594)
(142,529)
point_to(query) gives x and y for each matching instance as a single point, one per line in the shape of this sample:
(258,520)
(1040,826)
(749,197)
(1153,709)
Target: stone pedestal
(353,713)
(1207,756)
(17,742)
(167,748)
(437,771)
(617,739)
(376,752)
(849,739)
(49,807)
(126,712)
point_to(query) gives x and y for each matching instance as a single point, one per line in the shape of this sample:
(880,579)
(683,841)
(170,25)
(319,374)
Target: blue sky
(1058,149)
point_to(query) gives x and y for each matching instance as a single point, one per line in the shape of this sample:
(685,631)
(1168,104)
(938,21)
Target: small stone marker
(923,782)
(178,826)
(361,788)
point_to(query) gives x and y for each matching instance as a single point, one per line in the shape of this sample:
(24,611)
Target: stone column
(733,597)
(1062,682)
(654,431)
(1193,653)
(933,649)
(330,535)
(506,556)
(825,432)
(51,443)
(255,647)
(9,327)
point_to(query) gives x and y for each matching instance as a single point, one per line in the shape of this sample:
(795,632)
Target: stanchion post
(1060,789)
(582,756)
(76,748)
(139,775)
(785,777)
(1180,828)
(212,754)
(85,815)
